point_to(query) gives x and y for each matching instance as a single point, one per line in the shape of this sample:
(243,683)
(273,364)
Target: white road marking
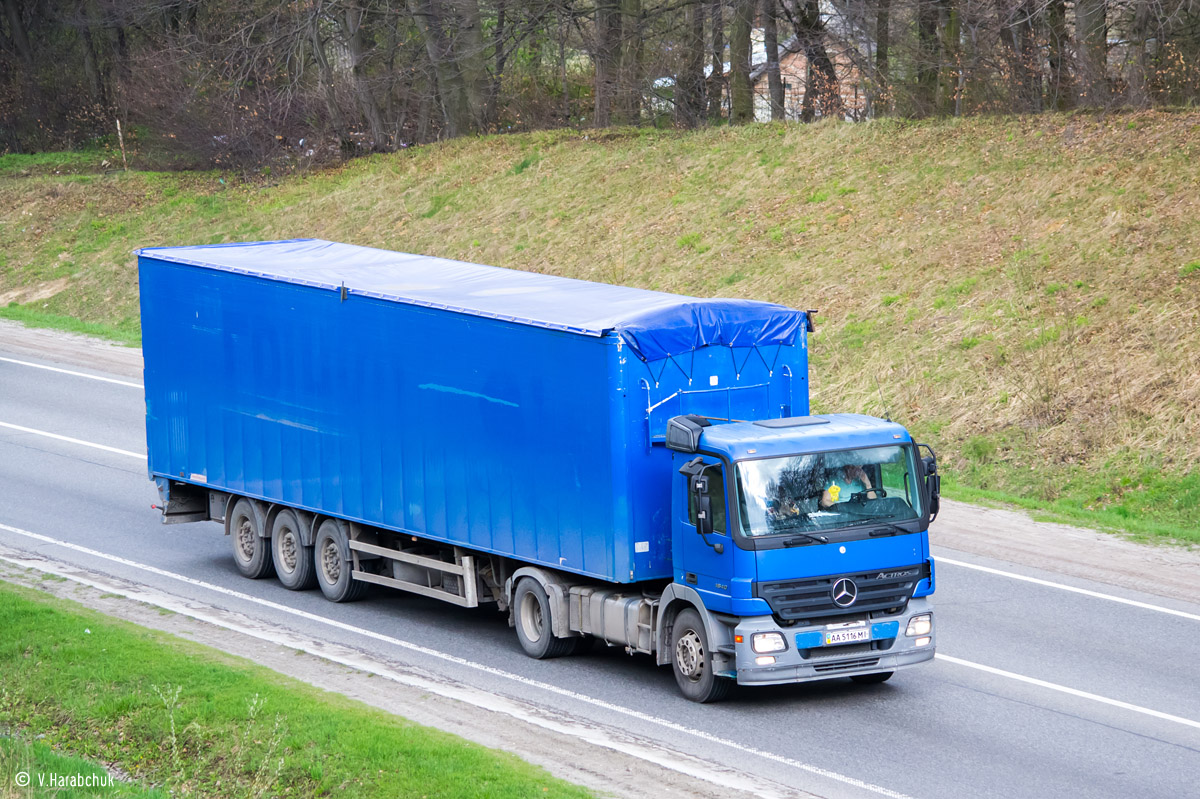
(70,440)
(74,374)
(491,670)
(1071,588)
(1158,714)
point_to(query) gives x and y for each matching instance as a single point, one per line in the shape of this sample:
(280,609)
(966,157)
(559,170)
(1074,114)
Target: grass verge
(127,334)
(35,771)
(198,722)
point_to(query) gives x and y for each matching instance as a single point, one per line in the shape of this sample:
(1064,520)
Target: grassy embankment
(1026,291)
(192,721)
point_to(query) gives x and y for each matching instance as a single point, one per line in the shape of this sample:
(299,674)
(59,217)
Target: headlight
(768,642)
(919,625)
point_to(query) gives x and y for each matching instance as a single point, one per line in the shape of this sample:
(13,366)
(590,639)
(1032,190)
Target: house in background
(793,70)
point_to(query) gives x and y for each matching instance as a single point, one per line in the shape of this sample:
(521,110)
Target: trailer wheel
(531,609)
(692,661)
(294,564)
(872,679)
(251,552)
(333,564)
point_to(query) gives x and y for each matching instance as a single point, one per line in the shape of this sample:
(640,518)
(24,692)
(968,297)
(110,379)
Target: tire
(332,563)
(692,660)
(294,564)
(872,679)
(251,552)
(531,612)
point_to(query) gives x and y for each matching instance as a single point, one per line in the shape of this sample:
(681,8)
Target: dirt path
(1011,536)
(69,348)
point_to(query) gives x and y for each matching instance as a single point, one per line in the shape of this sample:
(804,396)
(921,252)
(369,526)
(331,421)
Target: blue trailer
(604,463)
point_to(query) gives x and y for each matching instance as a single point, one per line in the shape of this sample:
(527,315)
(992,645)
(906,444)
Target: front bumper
(806,658)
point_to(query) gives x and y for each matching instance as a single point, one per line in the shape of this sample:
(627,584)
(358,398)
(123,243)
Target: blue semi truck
(603,463)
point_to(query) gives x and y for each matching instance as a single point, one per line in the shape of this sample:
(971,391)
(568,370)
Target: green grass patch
(200,723)
(32,770)
(128,333)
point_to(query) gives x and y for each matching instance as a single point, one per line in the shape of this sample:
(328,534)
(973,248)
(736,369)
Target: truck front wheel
(535,630)
(251,552)
(693,660)
(333,563)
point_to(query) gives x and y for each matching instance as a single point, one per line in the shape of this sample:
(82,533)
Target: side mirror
(698,486)
(933,481)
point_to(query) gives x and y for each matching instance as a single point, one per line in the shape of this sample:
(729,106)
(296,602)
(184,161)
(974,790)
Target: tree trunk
(951,65)
(928,57)
(1061,94)
(1137,76)
(1091,32)
(716,78)
(689,82)
(1017,32)
(471,57)
(629,67)
(822,91)
(608,26)
(452,91)
(741,95)
(325,73)
(771,44)
(881,97)
(351,22)
(16,32)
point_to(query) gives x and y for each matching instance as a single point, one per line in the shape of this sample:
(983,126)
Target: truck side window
(716,490)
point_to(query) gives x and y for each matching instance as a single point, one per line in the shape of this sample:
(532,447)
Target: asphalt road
(1038,691)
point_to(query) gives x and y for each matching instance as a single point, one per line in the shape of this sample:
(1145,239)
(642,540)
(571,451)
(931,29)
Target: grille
(846,665)
(812,599)
(832,652)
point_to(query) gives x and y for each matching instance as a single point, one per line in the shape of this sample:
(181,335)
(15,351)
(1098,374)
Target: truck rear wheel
(333,564)
(692,660)
(531,610)
(251,552)
(294,563)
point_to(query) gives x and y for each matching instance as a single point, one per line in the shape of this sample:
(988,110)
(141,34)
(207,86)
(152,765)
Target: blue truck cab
(806,537)
(605,464)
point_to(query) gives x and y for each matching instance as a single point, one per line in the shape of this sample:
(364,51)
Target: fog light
(768,642)
(919,625)
(926,641)
(765,660)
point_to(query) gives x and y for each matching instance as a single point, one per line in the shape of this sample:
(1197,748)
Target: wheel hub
(689,655)
(531,617)
(245,539)
(287,550)
(331,562)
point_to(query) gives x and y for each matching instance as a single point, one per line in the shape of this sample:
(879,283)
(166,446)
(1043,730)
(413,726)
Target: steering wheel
(861,496)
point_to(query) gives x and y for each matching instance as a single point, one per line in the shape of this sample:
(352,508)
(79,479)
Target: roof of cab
(823,433)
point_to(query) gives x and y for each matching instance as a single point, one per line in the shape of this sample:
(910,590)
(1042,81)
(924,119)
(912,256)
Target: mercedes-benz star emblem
(844,592)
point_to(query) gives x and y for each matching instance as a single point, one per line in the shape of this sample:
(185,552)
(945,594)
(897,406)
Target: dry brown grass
(1025,290)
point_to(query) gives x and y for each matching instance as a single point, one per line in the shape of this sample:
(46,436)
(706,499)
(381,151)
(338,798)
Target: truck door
(703,553)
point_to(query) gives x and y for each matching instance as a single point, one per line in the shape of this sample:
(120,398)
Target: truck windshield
(828,490)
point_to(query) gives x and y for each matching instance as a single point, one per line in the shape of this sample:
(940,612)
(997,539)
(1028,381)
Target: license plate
(847,636)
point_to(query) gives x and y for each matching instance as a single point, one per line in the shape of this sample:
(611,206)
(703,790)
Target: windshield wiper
(886,528)
(805,538)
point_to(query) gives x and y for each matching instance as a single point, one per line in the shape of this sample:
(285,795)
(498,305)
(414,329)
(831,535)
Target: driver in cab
(844,483)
